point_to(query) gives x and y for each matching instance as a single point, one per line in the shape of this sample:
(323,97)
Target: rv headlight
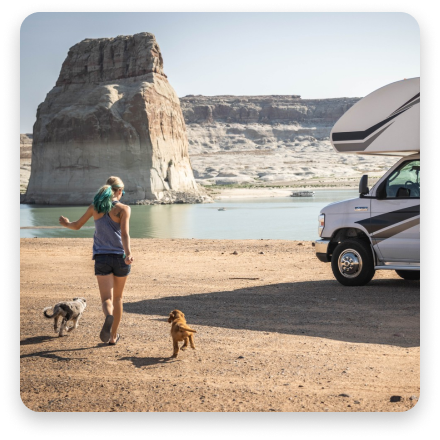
(321,221)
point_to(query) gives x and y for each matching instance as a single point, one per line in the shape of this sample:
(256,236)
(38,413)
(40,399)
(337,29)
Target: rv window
(393,176)
(405,181)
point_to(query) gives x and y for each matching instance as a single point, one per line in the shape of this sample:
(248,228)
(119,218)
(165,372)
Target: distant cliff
(269,139)
(273,109)
(111,112)
(25,146)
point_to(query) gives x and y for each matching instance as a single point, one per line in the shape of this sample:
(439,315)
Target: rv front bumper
(321,247)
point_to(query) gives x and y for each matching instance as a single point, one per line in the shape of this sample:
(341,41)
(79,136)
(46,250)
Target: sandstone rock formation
(25,146)
(111,112)
(25,161)
(268,109)
(270,140)
(265,140)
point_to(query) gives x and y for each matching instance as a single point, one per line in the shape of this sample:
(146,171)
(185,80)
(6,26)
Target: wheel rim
(350,263)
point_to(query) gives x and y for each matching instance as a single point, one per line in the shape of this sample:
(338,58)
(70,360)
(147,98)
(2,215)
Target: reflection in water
(291,218)
(161,221)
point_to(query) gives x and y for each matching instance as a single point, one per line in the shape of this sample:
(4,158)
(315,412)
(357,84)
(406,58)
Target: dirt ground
(275,331)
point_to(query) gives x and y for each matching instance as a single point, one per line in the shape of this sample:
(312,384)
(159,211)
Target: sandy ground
(275,332)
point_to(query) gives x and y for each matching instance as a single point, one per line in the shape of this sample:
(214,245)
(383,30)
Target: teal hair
(103,199)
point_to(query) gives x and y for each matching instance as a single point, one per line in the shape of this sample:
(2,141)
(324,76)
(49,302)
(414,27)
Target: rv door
(395,214)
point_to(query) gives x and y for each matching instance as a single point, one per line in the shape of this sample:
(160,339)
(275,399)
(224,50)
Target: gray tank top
(107,238)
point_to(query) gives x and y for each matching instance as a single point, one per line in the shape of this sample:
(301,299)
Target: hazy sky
(315,55)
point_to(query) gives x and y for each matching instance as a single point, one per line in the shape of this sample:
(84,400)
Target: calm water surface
(286,218)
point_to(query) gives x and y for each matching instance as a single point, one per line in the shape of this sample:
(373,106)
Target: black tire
(411,275)
(361,273)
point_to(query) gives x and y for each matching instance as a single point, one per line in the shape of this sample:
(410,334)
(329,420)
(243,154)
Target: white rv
(380,230)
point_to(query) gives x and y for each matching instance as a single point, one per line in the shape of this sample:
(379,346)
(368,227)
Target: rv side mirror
(363,188)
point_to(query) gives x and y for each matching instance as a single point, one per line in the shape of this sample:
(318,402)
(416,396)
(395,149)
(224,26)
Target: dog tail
(187,329)
(45,313)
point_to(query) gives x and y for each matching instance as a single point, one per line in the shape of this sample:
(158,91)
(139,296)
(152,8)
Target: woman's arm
(64,221)
(125,234)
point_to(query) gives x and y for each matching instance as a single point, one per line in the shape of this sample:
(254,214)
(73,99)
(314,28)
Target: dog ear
(171,318)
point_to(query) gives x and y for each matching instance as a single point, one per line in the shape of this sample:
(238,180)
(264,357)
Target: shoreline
(256,193)
(224,193)
(250,190)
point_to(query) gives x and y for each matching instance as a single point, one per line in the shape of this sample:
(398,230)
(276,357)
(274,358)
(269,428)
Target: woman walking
(111,251)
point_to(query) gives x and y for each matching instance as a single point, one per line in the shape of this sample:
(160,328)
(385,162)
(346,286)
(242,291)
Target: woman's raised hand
(64,221)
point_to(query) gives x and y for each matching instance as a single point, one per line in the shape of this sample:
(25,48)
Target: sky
(315,55)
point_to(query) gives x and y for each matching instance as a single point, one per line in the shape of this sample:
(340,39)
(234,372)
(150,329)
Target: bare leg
(105,284)
(118,290)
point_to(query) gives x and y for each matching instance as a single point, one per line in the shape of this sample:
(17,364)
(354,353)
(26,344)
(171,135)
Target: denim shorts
(105,264)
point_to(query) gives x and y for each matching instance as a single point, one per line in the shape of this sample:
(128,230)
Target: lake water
(289,218)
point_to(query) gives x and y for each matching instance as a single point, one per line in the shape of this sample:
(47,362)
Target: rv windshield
(405,181)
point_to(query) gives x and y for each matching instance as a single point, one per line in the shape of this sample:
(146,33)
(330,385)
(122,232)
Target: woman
(111,251)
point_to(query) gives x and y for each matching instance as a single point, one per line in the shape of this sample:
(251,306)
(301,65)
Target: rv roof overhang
(386,122)
(379,153)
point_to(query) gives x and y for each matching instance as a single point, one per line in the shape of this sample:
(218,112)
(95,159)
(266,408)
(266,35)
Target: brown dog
(180,331)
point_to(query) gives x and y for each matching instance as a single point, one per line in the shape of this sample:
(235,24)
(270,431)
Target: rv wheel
(412,275)
(353,263)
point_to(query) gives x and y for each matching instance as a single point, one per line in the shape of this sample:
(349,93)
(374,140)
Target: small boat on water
(221,209)
(302,194)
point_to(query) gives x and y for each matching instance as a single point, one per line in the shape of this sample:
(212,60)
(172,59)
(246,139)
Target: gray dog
(69,311)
